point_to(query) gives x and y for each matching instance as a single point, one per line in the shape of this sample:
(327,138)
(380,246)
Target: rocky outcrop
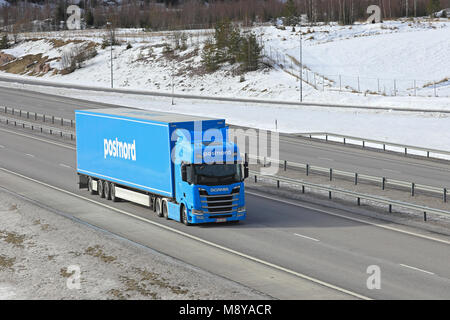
(5,58)
(41,68)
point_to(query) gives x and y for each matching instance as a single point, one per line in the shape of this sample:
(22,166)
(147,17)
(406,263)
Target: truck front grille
(218,204)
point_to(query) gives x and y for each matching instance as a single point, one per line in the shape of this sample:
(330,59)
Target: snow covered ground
(37,247)
(400,55)
(411,54)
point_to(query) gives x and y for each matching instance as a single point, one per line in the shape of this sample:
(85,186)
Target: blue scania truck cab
(182,167)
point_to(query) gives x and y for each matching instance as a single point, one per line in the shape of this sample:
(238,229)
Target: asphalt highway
(321,243)
(375,163)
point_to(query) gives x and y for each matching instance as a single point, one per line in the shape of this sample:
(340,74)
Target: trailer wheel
(90,183)
(158,206)
(165,210)
(113,193)
(184,218)
(100,188)
(107,188)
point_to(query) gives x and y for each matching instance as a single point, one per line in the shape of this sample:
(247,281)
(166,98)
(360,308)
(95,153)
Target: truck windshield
(217,174)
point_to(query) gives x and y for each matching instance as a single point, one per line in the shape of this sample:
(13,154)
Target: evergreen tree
(60,14)
(210,56)
(89,18)
(433,6)
(4,42)
(250,53)
(290,13)
(230,46)
(227,38)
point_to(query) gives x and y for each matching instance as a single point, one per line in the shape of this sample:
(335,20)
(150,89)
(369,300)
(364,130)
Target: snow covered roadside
(395,56)
(418,129)
(37,247)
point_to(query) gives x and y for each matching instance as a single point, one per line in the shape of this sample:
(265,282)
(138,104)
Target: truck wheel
(184,218)
(107,188)
(158,206)
(101,189)
(90,183)
(113,193)
(165,210)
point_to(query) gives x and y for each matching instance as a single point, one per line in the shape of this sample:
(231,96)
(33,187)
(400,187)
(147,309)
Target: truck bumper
(207,219)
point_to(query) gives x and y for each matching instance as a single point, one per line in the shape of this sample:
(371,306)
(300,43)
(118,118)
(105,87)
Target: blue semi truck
(182,167)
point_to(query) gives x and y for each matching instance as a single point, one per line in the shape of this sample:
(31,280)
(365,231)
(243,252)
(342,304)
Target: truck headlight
(241,209)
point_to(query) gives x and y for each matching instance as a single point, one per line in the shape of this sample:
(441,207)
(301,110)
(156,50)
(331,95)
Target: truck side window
(189,174)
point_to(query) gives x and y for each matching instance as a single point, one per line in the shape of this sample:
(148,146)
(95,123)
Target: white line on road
(190,236)
(39,139)
(414,268)
(348,218)
(65,166)
(395,171)
(300,235)
(29,154)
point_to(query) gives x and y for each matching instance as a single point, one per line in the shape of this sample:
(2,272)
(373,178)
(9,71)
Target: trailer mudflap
(82,181)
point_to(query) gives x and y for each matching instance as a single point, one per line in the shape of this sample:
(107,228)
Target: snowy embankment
(400,55)
(40,253)
(406,50)
(410,128)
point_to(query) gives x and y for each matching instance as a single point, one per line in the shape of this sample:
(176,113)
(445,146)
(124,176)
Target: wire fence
(356,84)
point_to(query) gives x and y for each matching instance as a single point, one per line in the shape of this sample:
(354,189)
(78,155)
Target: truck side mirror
(246,171)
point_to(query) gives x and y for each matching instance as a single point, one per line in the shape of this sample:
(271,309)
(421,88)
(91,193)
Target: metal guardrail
(383,181)
(38,116)
(383,144)
(37,126)
(356,177)
(358,196)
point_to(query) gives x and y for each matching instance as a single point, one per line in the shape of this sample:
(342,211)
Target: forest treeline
(182,14)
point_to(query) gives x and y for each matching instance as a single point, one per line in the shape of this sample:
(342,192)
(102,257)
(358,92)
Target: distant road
(226,99)
(292,148)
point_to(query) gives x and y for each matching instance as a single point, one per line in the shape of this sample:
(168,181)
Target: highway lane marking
(417,269)
(327,159)
(360,154)
(29,154)
(95,104)
(187,235)
(349,218)
(390,170)
(65,166)
(276,199)
(300,235)
(39,139)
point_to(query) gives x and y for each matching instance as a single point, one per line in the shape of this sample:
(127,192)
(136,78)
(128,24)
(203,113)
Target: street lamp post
(111,43)
(301,63)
